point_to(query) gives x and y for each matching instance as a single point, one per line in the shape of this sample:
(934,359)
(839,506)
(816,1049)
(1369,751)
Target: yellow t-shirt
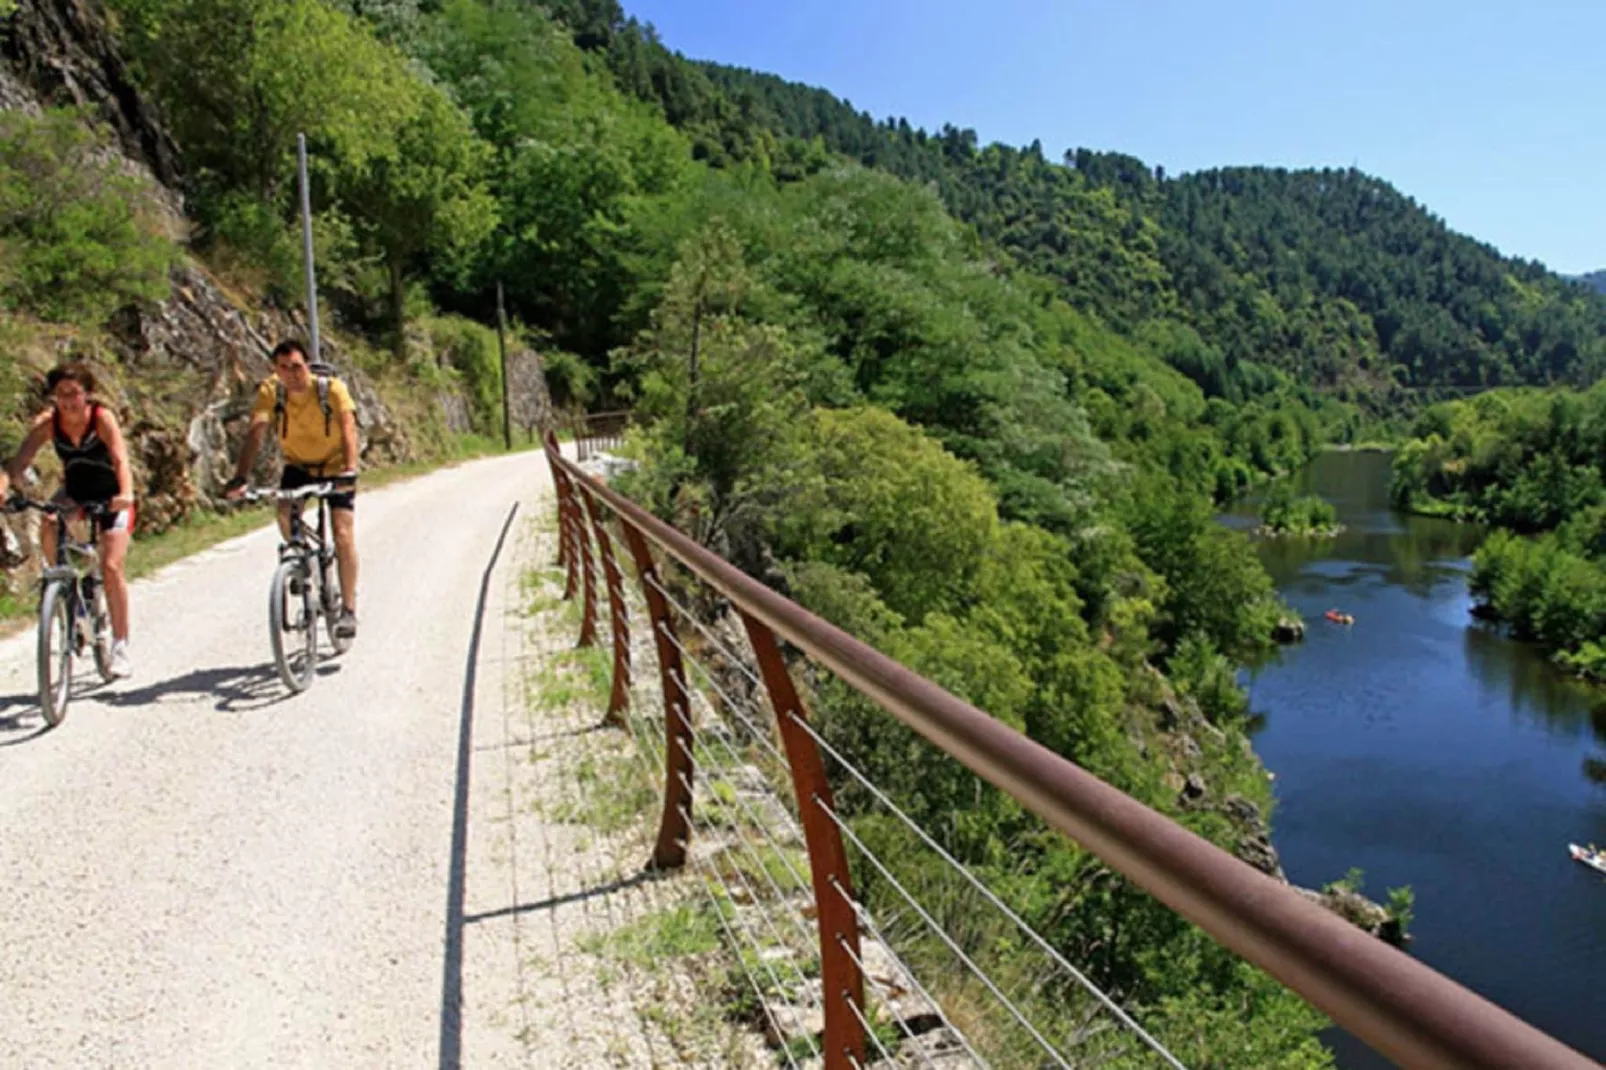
(302,437)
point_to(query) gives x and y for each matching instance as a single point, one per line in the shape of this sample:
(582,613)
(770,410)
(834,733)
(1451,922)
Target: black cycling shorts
(295,477)
(122,520)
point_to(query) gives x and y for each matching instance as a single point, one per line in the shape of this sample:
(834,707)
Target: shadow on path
(240,687)
(451,1041)
(573,897)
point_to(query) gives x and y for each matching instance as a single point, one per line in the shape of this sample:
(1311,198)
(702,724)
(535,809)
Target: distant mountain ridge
(1332,277)
(1597,279)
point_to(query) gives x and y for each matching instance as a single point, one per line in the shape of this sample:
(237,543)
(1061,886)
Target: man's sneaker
(120,667)
(346,625)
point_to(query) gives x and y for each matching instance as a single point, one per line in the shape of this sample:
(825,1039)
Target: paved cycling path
(198,871)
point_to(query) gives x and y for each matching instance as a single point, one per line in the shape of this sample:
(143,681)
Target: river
(1427,749)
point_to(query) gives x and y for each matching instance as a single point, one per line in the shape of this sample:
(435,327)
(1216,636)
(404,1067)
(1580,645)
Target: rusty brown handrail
(1399,1006)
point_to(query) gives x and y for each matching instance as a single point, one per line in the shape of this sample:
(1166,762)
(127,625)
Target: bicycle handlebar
(311,490)
(51,508)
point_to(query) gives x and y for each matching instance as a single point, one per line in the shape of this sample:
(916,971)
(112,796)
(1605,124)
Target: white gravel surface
(199,871)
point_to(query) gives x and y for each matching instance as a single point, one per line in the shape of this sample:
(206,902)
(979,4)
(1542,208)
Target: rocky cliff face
(63,52)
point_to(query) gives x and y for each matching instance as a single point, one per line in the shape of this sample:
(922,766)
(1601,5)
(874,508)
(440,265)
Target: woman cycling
(95,471)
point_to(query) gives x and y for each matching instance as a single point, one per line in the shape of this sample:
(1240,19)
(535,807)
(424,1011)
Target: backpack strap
(280,416)
(323,403)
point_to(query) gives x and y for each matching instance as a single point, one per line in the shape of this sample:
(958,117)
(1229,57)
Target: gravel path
(196,870)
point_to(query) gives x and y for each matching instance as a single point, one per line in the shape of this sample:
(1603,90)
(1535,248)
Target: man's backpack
(323,374)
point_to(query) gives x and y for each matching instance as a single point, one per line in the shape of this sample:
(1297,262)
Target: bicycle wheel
(333,603)
(100,624)
(293,625)
(55,652)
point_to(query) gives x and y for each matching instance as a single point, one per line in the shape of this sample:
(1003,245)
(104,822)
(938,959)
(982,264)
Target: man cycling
(94,471)
(317,424)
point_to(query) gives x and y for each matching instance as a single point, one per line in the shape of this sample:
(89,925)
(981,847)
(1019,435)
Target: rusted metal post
(674,828)
(560,483)
(569,535)
(588,571)
(840,976)
(618,612)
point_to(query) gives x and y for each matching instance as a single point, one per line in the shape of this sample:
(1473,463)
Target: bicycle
(72,608)
(305,587)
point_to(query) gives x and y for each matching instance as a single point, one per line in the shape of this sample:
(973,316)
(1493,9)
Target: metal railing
(595,432)
(1399,1006)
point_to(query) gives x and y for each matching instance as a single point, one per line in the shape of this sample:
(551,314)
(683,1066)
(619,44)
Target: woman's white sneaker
(121,668)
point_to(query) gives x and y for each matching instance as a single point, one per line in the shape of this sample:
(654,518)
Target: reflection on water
(1430,749)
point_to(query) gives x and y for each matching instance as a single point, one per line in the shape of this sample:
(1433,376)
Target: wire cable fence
(874,925)
(755,856)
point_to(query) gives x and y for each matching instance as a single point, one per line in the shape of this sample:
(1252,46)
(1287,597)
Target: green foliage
(427,196)
(573,158)
(688,929)
(471,349)
(1284,512)
(1201,673)
(76,241)
(14,393)
(569,379)
(240,78)
(1523,459)
(398,168)
(1528,461)
(1215,587)
(722,394)
(891,504)
(1402,907)
(1332,276)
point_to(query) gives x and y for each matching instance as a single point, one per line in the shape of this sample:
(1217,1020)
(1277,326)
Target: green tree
(427,197)
(892,504)
(239,79)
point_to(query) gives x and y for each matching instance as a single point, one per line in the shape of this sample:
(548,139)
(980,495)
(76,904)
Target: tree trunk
(398,308)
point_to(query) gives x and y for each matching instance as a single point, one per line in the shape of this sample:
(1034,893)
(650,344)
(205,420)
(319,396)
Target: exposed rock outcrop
(63,51)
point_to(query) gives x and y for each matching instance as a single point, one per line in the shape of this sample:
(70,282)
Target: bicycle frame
(68,547)
(320,545)
(302,580)
(71,579)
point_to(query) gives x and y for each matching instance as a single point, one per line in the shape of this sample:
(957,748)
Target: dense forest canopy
(1331,276)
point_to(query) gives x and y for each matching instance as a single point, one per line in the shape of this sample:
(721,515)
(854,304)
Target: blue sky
(1493,115)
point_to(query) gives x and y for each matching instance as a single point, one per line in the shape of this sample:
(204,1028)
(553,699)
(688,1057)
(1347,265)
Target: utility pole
(501,345)
(306,245)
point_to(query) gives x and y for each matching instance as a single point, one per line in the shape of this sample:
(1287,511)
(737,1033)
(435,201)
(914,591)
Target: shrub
(75,244)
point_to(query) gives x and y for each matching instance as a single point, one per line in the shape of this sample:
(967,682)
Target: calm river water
(1427,749)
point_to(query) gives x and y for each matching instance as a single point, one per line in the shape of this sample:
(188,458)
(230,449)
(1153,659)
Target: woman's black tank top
(88,472)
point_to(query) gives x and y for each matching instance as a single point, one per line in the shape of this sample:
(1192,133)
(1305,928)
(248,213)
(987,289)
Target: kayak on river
(1589,856)
(1339,618)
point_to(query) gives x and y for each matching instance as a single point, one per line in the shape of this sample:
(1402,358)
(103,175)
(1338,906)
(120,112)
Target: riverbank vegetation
(1529,462)
(1285,513)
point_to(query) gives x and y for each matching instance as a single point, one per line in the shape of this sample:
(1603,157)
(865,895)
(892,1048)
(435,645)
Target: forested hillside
(1331,276)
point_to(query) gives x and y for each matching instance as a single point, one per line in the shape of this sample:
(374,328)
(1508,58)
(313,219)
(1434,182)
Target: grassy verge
(203,529)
